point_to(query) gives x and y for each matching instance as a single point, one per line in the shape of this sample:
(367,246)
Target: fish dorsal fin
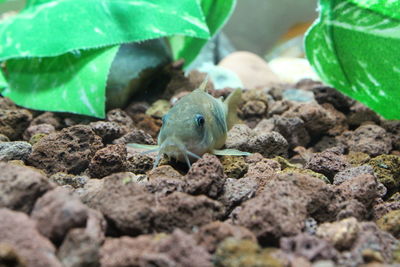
(232,103)
(203,85)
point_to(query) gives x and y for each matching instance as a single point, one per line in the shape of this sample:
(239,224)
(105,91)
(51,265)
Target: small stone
(148,124)
(19,231)
(76,181)
(13,122)
(357,158)
(327,163)
(310,247)
(370,139)
(17,150)
(135,136)
(390,222)
(206,176)
(325,94)
(350,173)
(9,257)
(107,130)
(47,118)
(108,160)
(269,145)
(4,138)
(158,108)
(212,234)
(122,118)
(341,234)
(139,163)
(20,186)
(254,108)
(43,128)
(298,95)
(57,212)
(234,166)
(359,114)
(293,129)
(69,150)
(236,191)
(238,137)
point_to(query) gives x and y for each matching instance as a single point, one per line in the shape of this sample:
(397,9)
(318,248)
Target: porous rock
(390,222)
(107,130)
(43,128)
(69,150)
(108,160)
(234,166)
(136,136)
(341,234)
(237,191)
(20,186)
(325,94)
(370,139)
(178,249)
(327,163)
(387,170)
(17,230)
(350,173)
(56,212)
(122,118)
(47,118)
(16,150)
(269,145)
(13,122)
(76,181)
(212,234)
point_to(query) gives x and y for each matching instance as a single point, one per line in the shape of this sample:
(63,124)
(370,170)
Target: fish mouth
(174,148)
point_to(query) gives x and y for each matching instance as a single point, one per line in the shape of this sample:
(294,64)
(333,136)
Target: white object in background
(292,70)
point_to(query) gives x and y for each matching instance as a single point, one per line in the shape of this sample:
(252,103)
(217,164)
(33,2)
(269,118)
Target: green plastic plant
(58,53)
(354,46)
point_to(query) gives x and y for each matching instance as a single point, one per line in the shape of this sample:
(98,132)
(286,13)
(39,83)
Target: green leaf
(354,48)
(54,27)
(217,12)
(73,82)
(3,82)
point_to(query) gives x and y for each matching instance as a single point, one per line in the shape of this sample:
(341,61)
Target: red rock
(67,151)
(13,122)
(20,186)
(18,231)
(108,160)
(327,163)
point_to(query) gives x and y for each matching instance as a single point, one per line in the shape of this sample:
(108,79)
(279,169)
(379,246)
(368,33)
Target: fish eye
(200,120)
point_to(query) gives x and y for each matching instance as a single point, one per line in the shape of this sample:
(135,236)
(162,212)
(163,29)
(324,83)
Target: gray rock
(298,95)
(349,173)
(15,150)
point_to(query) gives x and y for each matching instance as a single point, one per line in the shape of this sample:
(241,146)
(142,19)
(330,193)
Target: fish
(197,124)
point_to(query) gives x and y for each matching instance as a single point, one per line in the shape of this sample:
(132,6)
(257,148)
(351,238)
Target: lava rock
(359,114)
(108,160)
(310,247)
(390,222)
(56,212)
(47,118)
(17,150)
(269,145)
(17,230)
(20,186)
(206,176)
(177,249)
(370,139)
(212,234)
(122,118)
(238,137)
(76,181)
(107,130)
(327,163)
(135,136)
(325,94)
(293,129)
(67,151)
(387,170)
(234,166)
(43,128)
(139,163)
(350,173)
(237,191)
(13,122)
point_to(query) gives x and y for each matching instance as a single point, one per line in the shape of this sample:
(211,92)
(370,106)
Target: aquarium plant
(354,47)
(55,55)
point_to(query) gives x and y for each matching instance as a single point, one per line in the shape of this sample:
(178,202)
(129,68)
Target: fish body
(197,124)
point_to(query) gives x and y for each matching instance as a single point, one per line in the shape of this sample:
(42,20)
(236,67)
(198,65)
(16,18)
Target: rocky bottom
(320,189)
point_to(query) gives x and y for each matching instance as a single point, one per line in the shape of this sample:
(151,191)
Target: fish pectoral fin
(230,152)
(150,148)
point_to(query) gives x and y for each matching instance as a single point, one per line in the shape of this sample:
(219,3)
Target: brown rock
(76,181)
(359,114)
(234,166)
(43,128)
(67,151)
(350,173)
(317,119)
(18,231)
(327,163)
(139,163)
(237,191)
(107,130)
(268,144)
(20,186)
(178,249)
(325,94)
(390,222)
(147,123)
(238,137)
(9,257)
(81,246)
(210,235)
(180,210)
(48,118)
(57,212)
(254,108)
(136,136)
(122,118)
(206,176)
(370,139)
(13,122)
(108,160)
(310,247)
